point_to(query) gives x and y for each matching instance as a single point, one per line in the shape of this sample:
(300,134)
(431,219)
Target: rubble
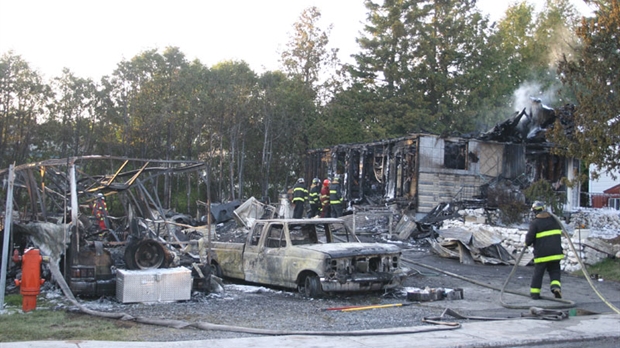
(590,245)
(603,223)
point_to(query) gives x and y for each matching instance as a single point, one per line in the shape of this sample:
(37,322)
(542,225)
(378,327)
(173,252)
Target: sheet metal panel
(153,285)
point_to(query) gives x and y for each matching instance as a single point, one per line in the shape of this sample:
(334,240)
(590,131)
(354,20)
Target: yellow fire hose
(566,303)
(361,308)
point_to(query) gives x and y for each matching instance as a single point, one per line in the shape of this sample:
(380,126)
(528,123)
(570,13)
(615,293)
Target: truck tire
(312,287)
(129,255)
(216,270)
(149,254)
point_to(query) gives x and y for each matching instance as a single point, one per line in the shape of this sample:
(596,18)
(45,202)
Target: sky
(90,37)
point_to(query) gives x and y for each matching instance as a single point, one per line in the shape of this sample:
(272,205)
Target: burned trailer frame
(52,192)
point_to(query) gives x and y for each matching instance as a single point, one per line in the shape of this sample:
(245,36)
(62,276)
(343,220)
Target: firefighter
(544,235)
(100,211)
(335,198)
(324,197)
(300,196)
(313,198)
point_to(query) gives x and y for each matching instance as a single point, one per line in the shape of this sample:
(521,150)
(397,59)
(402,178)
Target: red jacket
(324,196)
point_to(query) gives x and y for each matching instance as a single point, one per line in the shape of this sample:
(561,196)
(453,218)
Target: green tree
(422,60)
(232,87)
(307,55)
(23,102)
(529,45)
(592,76)
(312,69)
(73,108)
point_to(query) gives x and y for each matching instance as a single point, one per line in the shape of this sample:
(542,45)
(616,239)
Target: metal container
(153,285)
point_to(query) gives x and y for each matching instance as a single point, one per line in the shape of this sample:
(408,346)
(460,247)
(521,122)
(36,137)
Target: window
(303,234)
(455,155)
(614,203)
(256,233)
(275,238)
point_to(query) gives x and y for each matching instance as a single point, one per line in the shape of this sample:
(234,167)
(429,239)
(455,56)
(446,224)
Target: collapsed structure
(53,199)
(421,171)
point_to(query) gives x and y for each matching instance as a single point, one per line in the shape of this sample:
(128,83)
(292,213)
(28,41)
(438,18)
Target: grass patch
(13,300)
(608,269)
(42,324)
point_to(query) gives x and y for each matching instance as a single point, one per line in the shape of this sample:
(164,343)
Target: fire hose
(565,303)
(178,324)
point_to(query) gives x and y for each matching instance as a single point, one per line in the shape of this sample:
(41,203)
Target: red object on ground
(30,284)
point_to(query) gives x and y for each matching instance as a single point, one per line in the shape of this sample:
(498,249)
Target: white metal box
(153,285)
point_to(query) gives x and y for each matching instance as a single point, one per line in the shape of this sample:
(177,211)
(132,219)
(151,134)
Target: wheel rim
(149,254)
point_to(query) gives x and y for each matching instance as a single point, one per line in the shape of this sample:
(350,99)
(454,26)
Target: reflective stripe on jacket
(300,193)
(335,195)
(313,197)
(545,234)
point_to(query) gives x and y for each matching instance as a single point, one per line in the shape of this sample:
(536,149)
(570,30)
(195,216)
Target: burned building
(420,171)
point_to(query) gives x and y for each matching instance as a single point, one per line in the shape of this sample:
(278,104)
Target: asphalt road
(485,301)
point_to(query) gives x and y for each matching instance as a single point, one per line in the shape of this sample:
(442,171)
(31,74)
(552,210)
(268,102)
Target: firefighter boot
(557,292)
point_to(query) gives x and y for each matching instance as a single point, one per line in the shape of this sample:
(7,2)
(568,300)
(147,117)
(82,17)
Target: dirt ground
(251,306)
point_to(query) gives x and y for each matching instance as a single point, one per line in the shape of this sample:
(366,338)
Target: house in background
(421,171)
(605,190)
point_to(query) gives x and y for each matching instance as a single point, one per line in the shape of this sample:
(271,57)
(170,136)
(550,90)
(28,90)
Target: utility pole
(8,213)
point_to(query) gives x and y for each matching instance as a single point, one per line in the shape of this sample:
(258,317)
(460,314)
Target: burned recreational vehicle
(52,200)
(420,171)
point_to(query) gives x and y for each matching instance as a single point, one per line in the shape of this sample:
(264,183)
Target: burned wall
(450,169)
(424,170)
(371,173)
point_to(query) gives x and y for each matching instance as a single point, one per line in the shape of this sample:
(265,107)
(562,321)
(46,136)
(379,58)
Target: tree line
(422,66)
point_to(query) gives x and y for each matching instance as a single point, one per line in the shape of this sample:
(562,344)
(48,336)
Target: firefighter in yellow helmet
(314,199)
(300,196)
(335,198)
(545,234)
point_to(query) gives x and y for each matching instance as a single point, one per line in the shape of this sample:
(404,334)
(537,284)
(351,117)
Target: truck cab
(315,256)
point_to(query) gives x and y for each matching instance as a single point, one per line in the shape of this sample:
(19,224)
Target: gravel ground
(257,307)
(249,306)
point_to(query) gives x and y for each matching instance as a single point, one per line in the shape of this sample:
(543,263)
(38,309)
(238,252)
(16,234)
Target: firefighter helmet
(326,182)
(538,206)
(316,181)
(301,180)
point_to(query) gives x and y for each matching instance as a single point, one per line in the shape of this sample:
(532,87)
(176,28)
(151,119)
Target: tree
(232,87)
(23,100)
(592,76)
(307,55)
(305,62)
(422,59)
(73,108)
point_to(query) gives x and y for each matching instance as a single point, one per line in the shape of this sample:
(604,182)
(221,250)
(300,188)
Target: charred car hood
(336,250)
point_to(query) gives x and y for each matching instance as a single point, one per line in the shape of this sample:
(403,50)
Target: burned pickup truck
(315,256)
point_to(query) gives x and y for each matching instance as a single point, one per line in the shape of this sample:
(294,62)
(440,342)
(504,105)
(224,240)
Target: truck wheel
(312,287)
(129,256)
(216,270)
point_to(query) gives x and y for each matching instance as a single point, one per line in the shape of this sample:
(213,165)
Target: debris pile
(433,294)
(603,223)
(588,244)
